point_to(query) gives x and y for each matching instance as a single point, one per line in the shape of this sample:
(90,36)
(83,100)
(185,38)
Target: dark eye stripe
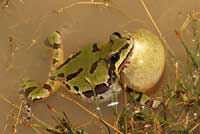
(73,75)
(61,75)
(124,47)
(69,59)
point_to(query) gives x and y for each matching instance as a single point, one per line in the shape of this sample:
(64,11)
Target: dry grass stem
(82,3)
(157,29)
(17,120)
(188,20)
(89,112)
(195,127)
(17,107)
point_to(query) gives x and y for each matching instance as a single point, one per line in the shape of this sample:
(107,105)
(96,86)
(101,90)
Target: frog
(93,72)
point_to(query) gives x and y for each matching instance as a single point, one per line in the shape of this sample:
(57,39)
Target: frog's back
(84,69)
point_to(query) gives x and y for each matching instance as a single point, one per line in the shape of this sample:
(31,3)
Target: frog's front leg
(33,90)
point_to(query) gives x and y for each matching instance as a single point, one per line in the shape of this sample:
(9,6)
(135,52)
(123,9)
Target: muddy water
(24,26)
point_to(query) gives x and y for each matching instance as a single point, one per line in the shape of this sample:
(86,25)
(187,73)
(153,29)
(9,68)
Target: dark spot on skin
(10,39)
(68,60)
(99,89)
(52,78)
(78,94)
(139,97)
(75,54)
(76,88)
(28,110)
(67,86)
(95,48)
(73,75)
(54,61)
(48,87)
(88,94)
(149,103)
(112,42)
(93,67)
(58,32)
(117,34)
(37,99)
(28,90)
(28,118)
(129,90)
(61,75)
(56,46)
(101,97)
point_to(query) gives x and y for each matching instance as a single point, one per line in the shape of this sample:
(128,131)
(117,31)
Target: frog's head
(121,48)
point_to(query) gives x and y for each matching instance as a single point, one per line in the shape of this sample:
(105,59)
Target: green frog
(92,73)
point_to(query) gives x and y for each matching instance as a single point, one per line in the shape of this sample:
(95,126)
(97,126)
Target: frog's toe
(33,91)
(29,86)
(38,94)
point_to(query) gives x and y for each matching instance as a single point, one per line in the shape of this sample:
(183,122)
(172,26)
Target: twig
(81,3)
(192,129)
(189,53)
(7,118)
(157,29)
(17,107)
(188,21)
(17,120)
(125,104)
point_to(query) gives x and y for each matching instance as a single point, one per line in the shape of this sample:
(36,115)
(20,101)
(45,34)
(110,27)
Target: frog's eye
(114,57)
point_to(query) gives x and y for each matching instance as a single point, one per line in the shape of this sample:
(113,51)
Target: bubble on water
(195,114)
(107,4)
(98,108)
(113,103)
(142,107)
(140,61)
(147,125)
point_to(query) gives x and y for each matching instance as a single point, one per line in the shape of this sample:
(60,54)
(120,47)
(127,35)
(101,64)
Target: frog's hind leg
(50,86)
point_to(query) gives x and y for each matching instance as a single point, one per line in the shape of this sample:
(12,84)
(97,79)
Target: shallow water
(25,25)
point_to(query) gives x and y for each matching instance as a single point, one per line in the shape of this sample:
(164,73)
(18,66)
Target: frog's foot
(34,91)
(38,94)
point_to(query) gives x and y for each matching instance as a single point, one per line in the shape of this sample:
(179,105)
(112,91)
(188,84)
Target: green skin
(91,73)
